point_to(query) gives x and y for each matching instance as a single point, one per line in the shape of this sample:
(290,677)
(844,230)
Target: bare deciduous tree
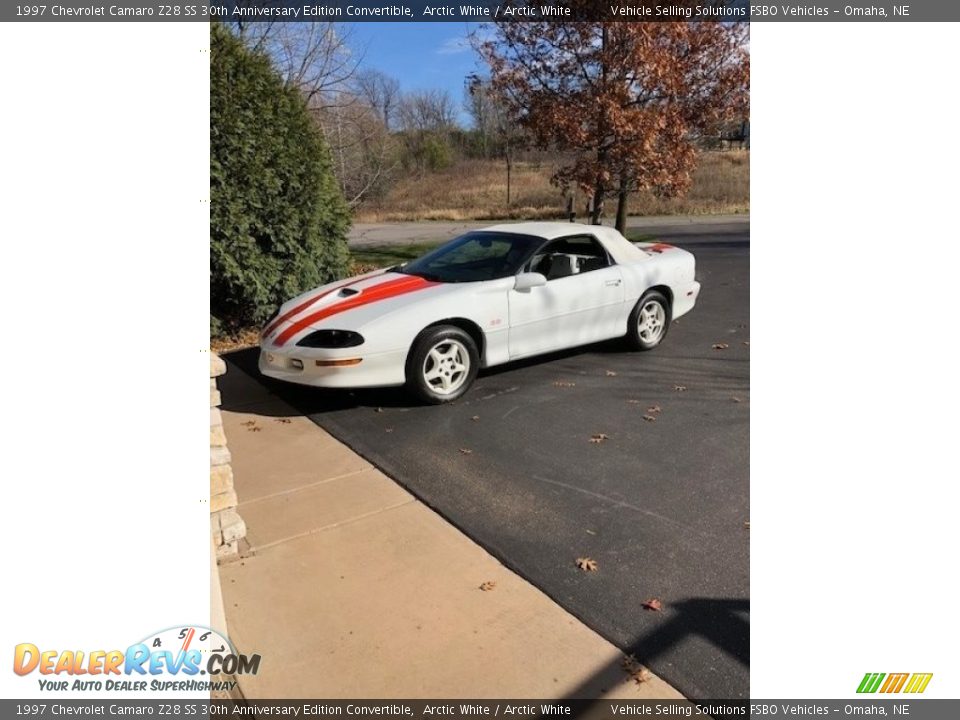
(427,111)
(427,118)
(318,60)
(315,57)
(500,133)
(364,152)
(379,91)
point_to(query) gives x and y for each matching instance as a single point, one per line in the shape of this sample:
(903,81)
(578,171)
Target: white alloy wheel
(651,321)
(446,366)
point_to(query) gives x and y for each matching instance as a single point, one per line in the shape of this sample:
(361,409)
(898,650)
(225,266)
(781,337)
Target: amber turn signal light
(339,363)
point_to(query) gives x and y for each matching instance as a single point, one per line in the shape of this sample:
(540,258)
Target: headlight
(331,339)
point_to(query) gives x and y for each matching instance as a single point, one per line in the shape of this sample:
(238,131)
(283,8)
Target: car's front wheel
(649,321)
(442,365)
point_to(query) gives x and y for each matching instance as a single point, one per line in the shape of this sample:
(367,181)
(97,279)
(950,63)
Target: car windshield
(475,256)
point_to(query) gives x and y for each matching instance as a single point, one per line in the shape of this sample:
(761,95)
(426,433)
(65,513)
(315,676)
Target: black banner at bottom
(912,709)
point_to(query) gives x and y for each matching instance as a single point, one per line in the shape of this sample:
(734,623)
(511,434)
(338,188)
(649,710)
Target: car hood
(349,304)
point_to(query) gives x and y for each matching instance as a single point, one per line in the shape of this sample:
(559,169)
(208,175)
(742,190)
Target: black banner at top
(477,11)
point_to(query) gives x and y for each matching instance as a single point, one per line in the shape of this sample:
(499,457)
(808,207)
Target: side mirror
(528,280)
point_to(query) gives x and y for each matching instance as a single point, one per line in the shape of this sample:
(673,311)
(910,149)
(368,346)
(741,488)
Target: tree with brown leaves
(624,101)
(494,122)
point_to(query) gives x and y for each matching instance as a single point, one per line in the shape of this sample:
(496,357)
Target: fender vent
(347,292)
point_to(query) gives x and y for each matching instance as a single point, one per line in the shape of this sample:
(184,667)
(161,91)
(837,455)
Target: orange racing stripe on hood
(304,305)
(383,291)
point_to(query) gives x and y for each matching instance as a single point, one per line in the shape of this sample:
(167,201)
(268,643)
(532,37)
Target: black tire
(457,350)
(645,339)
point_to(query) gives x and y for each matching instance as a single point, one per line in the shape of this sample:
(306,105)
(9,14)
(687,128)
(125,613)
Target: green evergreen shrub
(278,220)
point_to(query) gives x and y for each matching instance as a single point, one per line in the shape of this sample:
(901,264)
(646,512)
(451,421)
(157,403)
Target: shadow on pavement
(315,401)
(307,400)
(722,622)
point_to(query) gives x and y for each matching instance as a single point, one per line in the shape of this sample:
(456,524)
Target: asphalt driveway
(661,504)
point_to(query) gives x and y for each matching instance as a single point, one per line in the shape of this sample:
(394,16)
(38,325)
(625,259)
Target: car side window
(568,256)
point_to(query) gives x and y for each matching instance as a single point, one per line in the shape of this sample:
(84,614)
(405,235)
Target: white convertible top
(620,249)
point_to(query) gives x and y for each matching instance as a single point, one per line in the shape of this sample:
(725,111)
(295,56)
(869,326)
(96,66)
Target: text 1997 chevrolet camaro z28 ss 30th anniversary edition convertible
(482,299)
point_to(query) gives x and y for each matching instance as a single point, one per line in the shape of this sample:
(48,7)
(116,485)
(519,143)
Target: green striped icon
(871,682)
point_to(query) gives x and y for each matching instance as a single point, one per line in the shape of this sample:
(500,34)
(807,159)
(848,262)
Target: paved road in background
(661,505)
(668,228)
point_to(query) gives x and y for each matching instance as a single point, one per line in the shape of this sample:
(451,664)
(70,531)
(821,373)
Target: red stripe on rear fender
(383,291)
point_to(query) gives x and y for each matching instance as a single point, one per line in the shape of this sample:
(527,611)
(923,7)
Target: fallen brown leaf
(378,410)
(653,604)
(680,388)
(611,373)
(736,399)
(488,585)
(746,342)
(633,402)
(587,564)
(599,437)
(253,428)
(653,410)
(747,525)
(389,430)
(720,346)
(475,418)
(249,423)
(637,672)
(564,384)
(650,418)
(466,451)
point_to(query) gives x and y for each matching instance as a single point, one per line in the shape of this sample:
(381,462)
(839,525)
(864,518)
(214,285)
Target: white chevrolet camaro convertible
(483,299)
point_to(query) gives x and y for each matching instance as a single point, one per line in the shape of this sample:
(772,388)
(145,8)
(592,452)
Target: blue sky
(420,55)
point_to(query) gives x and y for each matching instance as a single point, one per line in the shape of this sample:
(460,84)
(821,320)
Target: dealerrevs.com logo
(180,659)
(894,682)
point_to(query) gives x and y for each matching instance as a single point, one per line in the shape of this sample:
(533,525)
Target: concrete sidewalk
(355,589)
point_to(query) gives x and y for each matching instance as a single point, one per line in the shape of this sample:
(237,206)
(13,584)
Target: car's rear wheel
(649,321)
(442,365)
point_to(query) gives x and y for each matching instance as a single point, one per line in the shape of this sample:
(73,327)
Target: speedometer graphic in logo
(192,649)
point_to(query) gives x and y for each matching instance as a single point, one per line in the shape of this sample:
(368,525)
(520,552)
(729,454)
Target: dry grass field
(476,190)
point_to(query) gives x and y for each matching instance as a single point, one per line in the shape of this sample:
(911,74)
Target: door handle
(612,283)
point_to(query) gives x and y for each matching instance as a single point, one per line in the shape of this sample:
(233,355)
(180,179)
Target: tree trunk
(599,190)
(509,169)
(600,185)
(623,194)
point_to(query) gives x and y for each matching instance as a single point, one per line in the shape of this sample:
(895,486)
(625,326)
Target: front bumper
(303,366)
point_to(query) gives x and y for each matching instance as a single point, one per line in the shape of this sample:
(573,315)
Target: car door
(581,302)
